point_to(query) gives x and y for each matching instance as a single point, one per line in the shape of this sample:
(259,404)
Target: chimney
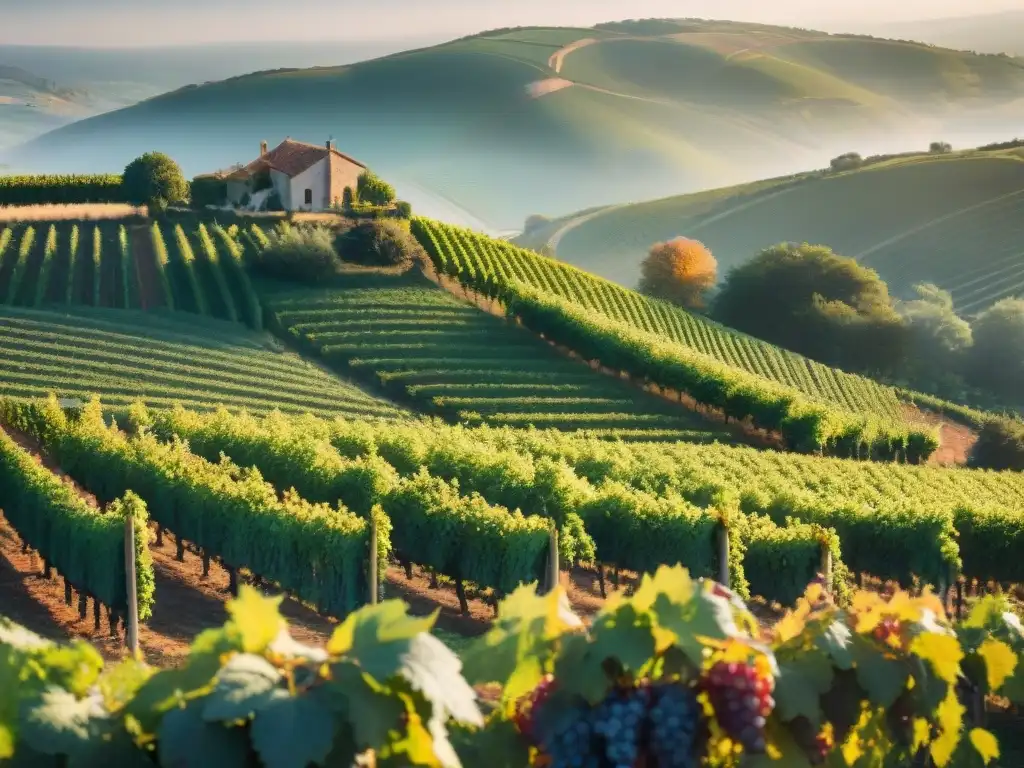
(330,145)
(263,148)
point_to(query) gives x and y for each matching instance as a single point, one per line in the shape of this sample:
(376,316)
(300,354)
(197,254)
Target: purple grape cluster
(742,699)
(674,718)
(620,720)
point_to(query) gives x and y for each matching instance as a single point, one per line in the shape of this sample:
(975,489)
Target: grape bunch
(674,718)
(620,720)
(525,717)
(887,628)
(741,696)
(569,743)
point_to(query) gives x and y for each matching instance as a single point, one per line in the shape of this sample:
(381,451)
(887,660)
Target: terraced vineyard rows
(458,362)
(163,358)
(197,268)
(482,262)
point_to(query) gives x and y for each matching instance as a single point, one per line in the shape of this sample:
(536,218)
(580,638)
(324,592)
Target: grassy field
(162,358)
(953,220)
(651,110)
(450,359)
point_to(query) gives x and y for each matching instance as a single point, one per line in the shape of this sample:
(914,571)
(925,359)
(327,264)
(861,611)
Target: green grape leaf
(985,744)
(256,617)
(20,639)
(433,670)
(1000,662)
(74,667)
(57,723)
(801,682)
(293,732)
(116,747)
(625,635)
(835,641)
(9,683)
(883,678)
(580,672)
(119,683)
(372,711)
(1013,688)
(245,684)
(499,745)
(378,636)
(705,615)
(186,740)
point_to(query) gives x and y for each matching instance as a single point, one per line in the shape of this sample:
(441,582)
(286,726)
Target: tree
(996,361)
(374,190)
(379,243)
(680,271)
(809,299)
(348,200)
(154,180)
(1000,446)
(404,209)
(846,162)
(940,148)
(937,337)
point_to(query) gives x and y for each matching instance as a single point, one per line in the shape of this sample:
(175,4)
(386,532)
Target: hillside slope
(514,122)
(30,105)
(955,220)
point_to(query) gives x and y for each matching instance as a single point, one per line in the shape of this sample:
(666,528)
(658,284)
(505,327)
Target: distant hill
(514,122)
(985,33)
(30,104)
(956,220)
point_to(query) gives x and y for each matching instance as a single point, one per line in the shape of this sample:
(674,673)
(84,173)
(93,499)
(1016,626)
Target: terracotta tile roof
(291,158)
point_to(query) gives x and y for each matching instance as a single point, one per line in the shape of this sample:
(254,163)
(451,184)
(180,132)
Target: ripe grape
(525,717)
(674,717)
(887,628)
(620,718)
(568,742)
(741,698)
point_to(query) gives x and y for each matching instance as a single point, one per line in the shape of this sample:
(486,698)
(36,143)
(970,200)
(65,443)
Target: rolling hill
(985,33)
(955,220)
(30,105)
(513,122)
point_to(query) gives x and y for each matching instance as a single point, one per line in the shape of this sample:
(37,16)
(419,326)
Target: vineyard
(163,358)
(455,361)
(196,268)
(814,407)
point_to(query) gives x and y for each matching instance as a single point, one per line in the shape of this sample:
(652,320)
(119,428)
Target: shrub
(299,253)
(846,162)
(379,243)
(374,190)
(1000,446)
(940,148)
(403,209)
(348,199)
(680,271)
(154,180)
(207,190)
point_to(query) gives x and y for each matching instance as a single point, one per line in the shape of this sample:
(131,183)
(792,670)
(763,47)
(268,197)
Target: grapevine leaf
(705,616)
(57,723)
(120,683)
(188,741)
(114,748)
(6,741)
(579,672)
(1013,689)
(256,617)
(498,745)
(74,667)
(835,641)
(801,682)
(942,651)
(883,678)
(985,744)
(842,703)
(987,613)
(379,636)
(9,680)
(672,582)
(433,670)
(625,635)
(18,638)
(372,712)
(293,732)
(949,717)
(245,684)
(415,748)
(1000,661)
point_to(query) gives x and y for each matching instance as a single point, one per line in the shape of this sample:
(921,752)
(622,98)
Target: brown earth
(147,276)
(955,439)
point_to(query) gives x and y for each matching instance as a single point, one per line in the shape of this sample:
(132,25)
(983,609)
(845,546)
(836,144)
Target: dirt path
(146,275)
(955,440)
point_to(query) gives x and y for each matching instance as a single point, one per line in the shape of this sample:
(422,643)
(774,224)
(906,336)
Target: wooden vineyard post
(131,633)
(371,575)
(826,566)
(723,556)
(553,566)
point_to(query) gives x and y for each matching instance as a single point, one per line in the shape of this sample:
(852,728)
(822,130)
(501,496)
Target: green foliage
(846,162)
(43,279)
(61,189)
(1000,445)
(379,243)
(940,148)
(84,544)
(247,695)
(207,190)
(372,189)
(245,299)
(808,299)
(154,180)
(938,337)
(298,253)
(996,361)
(403,209)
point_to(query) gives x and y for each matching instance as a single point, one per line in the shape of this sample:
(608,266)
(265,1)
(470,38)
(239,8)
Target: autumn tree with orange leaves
(680,271)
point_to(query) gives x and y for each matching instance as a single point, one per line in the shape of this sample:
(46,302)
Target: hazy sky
(163,22)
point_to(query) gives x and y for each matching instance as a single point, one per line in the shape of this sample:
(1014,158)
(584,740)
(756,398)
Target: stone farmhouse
(303,177)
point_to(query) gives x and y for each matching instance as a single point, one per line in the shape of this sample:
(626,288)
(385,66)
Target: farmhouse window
(309,197)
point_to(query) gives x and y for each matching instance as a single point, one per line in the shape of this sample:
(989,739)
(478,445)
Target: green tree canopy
(996,360)
(372,189)
(809,299)
(154,180)
(937,336)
